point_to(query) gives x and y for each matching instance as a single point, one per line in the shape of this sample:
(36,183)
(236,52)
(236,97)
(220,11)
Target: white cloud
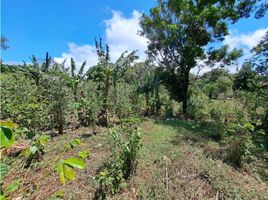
(245,41)
(121,35)
(79,54)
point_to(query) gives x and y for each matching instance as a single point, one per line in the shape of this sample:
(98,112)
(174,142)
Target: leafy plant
(73,143)
(240,147)
(6,137)
(36,150)
(65,168)
(126,144)
(6,133)
(84,154)
(3,172)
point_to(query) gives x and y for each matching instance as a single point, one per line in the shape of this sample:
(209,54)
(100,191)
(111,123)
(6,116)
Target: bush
(112,178)
(240,148)
(198,105)
(21,101)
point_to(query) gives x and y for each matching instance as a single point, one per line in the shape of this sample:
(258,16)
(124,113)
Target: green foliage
(198,105)
(3,169)
(21,101)
(57,94)
(65,168)
(246,78)
(36,150)
(73,143)
(6,140)
(259,60)
(84,154)
(172,28)
(13,186)
(240,148)
(126,140)
(6,133)
(6,137)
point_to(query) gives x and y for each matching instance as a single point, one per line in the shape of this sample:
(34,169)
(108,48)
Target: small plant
(240,148)
(65,168)
(126,144)
(6,141)
(6,134)
(84,154)
(111,180)
(36,150)
(73,143)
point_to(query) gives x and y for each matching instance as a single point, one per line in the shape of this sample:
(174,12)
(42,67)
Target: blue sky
(66,28)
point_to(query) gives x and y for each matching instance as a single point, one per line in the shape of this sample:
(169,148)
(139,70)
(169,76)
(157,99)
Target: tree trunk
(265,123)
(147,103)
(115,92)
(184,105)
(158,103)
(185,92)
(60,122)
(104,112)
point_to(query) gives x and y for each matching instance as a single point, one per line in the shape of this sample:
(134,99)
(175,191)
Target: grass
(178,160)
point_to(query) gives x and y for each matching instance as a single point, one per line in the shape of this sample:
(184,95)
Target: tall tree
(260,58)
(178,32)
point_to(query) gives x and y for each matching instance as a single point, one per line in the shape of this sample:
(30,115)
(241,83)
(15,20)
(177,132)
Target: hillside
(178,160)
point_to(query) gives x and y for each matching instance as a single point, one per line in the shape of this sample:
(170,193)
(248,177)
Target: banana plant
(74,79)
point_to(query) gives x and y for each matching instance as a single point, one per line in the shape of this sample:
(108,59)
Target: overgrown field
(177,160)
(187,121)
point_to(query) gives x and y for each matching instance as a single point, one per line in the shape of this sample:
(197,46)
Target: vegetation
(142,130)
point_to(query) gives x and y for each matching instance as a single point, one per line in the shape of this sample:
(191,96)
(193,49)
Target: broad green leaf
(75,142)
(83,154)
(2,197)
(6,137)
(60,171)
(3,169)
(68,172)
(75,162)
(33,149)
(77,105)
(13,186)
(8,124)
(43,140)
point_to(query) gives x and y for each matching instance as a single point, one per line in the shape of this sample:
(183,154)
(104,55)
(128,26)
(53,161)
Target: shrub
(112,178)
(21,101)
(36,150)
(240,147)
(198,105)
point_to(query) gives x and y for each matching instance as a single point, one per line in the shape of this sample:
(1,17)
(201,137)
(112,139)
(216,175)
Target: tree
(260,57)
(75,79)
(246,78)
(120,67)
(179,31)
(4,41)
(107,74)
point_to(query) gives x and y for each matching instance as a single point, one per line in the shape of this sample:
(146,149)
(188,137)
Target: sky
(67,28)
